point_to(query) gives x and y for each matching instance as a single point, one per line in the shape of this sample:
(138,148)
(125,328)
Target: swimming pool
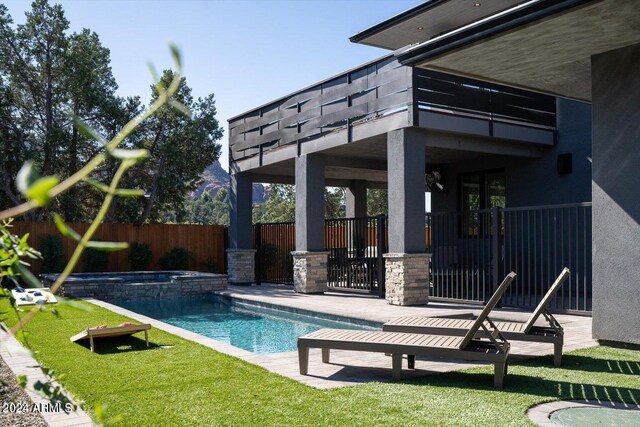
(239,323)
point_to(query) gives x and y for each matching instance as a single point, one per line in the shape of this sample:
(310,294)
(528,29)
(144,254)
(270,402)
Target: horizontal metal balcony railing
(451,94)
(376,90)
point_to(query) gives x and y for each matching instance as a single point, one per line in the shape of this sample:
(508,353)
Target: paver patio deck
(350,368)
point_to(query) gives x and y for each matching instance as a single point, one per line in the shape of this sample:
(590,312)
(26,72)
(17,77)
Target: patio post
(406,264)
(356,207)
(240,255)
(310,258)
(356,199)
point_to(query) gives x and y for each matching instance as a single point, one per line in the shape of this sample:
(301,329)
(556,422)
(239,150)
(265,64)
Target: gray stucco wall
(310,203)
(240,212)
(535,182)
(616,190)
(405,160)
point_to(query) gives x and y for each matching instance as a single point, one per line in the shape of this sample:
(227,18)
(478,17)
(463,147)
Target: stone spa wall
(138,285)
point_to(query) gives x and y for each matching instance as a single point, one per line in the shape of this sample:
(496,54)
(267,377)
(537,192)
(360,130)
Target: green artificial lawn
(178,382)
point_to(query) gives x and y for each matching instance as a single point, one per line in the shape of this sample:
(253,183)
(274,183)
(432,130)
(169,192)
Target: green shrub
(53,256)
(95,261)
(175,259)
(210,265)
(140,256)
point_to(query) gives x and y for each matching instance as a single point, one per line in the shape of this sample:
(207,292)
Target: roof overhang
(428,20)
(543,45)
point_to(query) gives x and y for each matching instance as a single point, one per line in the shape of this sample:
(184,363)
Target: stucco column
(356,199)
(240,255)
(309,258)
(406,264)
(616,205)
(356,207)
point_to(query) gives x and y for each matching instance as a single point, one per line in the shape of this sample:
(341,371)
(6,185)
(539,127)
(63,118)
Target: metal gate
(355,247)
(274,243)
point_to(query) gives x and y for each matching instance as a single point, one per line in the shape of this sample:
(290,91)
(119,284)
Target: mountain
(215,178)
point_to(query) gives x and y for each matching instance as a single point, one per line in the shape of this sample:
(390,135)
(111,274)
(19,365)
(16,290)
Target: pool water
(252,328)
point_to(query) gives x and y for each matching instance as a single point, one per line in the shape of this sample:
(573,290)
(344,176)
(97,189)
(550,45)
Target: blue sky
(245,52)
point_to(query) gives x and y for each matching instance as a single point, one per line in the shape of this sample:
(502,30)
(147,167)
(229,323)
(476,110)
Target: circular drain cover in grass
(593,416)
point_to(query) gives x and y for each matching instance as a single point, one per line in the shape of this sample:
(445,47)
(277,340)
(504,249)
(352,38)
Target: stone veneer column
(310,272)
(241,266)
(407,264)
(407,278)
(309,258)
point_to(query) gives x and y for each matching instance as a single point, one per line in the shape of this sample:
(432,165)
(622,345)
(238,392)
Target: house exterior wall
(616,183)
(535,182)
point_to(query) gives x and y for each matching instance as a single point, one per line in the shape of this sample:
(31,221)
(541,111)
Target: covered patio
(380,125)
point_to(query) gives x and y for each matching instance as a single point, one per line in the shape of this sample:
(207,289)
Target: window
(480,191)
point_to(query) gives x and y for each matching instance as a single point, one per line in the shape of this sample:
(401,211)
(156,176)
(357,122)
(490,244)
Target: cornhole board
(91,333)
(30,297)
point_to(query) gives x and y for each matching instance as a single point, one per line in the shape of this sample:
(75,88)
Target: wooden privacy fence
(205,243)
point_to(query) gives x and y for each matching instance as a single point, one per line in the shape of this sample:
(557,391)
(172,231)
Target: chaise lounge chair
(494,348)
(103,332)
(516,331)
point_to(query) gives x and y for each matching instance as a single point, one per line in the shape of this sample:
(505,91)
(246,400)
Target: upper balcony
(366,102)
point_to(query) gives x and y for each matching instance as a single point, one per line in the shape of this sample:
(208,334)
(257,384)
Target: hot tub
(138,285)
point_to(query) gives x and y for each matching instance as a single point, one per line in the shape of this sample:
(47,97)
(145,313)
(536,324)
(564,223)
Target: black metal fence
(355,247)
(537,244)
(473,251)
(462,255)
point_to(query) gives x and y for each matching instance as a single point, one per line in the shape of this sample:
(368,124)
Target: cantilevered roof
(544,45)
(428,20)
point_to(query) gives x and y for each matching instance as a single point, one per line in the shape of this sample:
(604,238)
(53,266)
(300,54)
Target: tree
(181,148)
(279,207)
(91,95)
(333,203)
(377,202)
(281,204)
(208,210)
(47,78)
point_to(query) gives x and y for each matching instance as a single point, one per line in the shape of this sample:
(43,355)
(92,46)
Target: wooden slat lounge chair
(91,333)
(516,331)
(494,349)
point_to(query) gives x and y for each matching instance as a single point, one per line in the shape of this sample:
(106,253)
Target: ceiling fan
(434,181)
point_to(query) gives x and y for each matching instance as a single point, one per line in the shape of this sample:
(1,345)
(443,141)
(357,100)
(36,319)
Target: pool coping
(316,314)
(541,414)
